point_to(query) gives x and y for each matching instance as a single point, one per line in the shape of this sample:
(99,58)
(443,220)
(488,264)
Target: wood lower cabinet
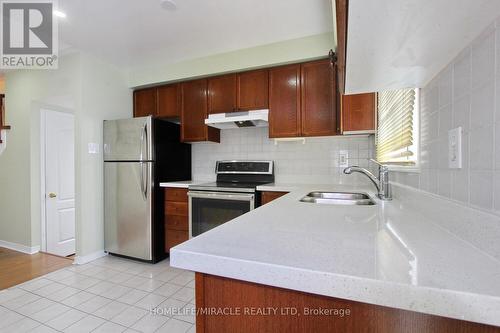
(176,194)
(178,222)
(358,113)
(222,94)
(194,112)
(176,208)
(175,237)
(300,312)
(284,101)
(253,90)
(145,102)
(318,98)
(176,217)
(268,196)
(169,101)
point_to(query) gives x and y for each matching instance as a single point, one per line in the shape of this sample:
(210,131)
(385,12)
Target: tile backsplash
(316,161)
(467,94)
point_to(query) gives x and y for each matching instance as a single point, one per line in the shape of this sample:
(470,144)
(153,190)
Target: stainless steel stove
(233,194)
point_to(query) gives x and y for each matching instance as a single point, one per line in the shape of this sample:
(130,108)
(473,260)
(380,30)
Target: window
(397,135)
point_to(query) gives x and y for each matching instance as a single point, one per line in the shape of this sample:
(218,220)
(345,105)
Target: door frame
(43,191)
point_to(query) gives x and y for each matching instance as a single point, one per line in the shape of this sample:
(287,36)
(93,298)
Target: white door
(60,182)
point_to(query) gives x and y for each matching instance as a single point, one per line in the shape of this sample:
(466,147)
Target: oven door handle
(223,196)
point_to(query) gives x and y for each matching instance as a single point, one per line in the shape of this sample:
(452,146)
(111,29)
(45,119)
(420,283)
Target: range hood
(255,118)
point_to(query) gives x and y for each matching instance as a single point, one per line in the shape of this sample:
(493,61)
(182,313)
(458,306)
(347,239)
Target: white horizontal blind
(395,135)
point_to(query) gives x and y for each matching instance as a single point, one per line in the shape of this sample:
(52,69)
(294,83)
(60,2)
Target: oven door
(208,210)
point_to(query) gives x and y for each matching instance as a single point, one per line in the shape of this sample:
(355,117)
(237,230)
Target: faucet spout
(371,176)
(381,183)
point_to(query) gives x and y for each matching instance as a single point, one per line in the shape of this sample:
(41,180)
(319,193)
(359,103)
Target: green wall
(283,52)
(93,91)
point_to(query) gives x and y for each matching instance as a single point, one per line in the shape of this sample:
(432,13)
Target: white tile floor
(109,294)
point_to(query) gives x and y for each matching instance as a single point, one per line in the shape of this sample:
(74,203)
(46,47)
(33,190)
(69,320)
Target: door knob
(52,195)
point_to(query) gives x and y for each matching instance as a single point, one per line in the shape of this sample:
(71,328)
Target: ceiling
(137,33)
(405,43)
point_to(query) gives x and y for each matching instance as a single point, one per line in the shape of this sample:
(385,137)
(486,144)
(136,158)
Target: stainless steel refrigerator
(139,153)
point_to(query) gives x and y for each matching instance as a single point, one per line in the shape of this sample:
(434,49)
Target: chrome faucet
(381,183)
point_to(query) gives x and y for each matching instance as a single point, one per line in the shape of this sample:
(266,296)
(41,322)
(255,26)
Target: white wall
(93,91)
(467,94)
(315,162)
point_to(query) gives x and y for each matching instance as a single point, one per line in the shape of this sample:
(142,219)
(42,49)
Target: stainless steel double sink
(338,198)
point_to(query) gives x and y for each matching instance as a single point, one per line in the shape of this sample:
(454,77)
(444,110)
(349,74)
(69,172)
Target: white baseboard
(20,247)
(80,260)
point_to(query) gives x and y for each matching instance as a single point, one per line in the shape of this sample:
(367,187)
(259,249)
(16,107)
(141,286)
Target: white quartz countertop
(182,183)
(280,187)
(387,254)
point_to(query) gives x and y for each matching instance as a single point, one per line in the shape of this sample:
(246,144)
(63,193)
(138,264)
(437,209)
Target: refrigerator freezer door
(128,208)
(128,139)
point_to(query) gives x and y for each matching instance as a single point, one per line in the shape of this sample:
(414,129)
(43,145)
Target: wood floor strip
(17,267)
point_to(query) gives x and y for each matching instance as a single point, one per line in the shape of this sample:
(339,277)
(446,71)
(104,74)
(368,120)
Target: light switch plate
(93,148)
(455,148)
(344,158)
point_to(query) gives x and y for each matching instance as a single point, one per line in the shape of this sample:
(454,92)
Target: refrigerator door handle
(143,136)
(144,186)
(144,141)
(146,182)
(146,138)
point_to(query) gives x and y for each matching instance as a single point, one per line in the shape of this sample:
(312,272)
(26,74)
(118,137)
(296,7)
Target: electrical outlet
(455,148)
(344,158)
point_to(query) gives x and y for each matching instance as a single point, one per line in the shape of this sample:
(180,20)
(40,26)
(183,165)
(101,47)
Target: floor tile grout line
(25,316)
(45,324)
(112,299)
(90,314)
(119,283)
(93,313)
(51,278)
(108,321)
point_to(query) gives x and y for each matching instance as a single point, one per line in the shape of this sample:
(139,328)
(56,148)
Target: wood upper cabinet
(358,112)
(222,94)
(318,98)
(341,12)
(302,100)
(169,101)
(145,102)
(284,101)
(238,92)
(253,90)
(194,112)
